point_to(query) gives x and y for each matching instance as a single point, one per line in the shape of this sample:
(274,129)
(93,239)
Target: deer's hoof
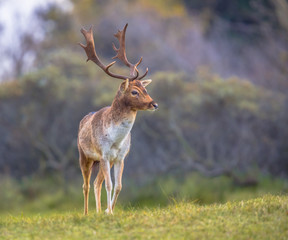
(108,212)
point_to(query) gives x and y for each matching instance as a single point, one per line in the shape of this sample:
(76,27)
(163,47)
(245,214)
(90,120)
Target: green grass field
(260,218)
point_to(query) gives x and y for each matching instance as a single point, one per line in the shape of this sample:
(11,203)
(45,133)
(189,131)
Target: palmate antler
(121,55)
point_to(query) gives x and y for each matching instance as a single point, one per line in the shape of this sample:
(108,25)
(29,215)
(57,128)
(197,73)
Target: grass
(42,194)
(260,218)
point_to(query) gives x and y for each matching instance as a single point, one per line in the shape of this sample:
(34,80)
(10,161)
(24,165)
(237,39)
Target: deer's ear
(124,85)
(146,82)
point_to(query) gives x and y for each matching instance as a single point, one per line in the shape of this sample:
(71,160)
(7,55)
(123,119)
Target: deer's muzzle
(154,105)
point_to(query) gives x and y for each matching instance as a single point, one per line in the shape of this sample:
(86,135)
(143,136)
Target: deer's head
(135,96)
(132,90)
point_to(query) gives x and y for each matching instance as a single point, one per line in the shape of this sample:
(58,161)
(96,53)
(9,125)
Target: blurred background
(220,77)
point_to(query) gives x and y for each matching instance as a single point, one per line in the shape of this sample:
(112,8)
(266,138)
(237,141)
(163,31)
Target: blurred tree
(207,123)
(60,32)
(239,13)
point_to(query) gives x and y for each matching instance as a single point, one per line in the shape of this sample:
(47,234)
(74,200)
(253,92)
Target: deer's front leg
(118,170)
(97,188)
(105,166)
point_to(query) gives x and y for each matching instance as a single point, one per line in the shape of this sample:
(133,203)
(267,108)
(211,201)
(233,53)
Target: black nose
(155,105)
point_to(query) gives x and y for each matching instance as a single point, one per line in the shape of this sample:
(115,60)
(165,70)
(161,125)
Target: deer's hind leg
(97,189)
(86,168)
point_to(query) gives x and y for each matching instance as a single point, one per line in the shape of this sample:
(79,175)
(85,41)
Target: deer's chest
(117,140)
(117,133)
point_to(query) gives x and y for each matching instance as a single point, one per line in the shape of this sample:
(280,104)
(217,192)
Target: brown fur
(104,136)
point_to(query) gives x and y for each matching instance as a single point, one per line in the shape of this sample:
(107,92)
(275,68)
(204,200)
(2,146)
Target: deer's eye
(134,93)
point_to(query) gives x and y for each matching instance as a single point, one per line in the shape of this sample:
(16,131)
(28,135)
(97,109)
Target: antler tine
(143,74)
(91,53)
(121,53)
(135,77)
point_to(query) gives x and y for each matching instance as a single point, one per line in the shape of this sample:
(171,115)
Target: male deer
(104,136)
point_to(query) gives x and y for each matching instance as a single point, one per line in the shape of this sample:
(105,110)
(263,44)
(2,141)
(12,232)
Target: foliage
(51,193)
(260,218)
(194,114)
(199,189)
(251,13)
(190,122)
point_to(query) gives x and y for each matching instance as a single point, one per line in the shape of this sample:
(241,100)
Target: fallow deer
(104,136)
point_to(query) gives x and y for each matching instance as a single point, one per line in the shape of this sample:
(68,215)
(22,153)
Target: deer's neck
(120,120)
(121,113)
